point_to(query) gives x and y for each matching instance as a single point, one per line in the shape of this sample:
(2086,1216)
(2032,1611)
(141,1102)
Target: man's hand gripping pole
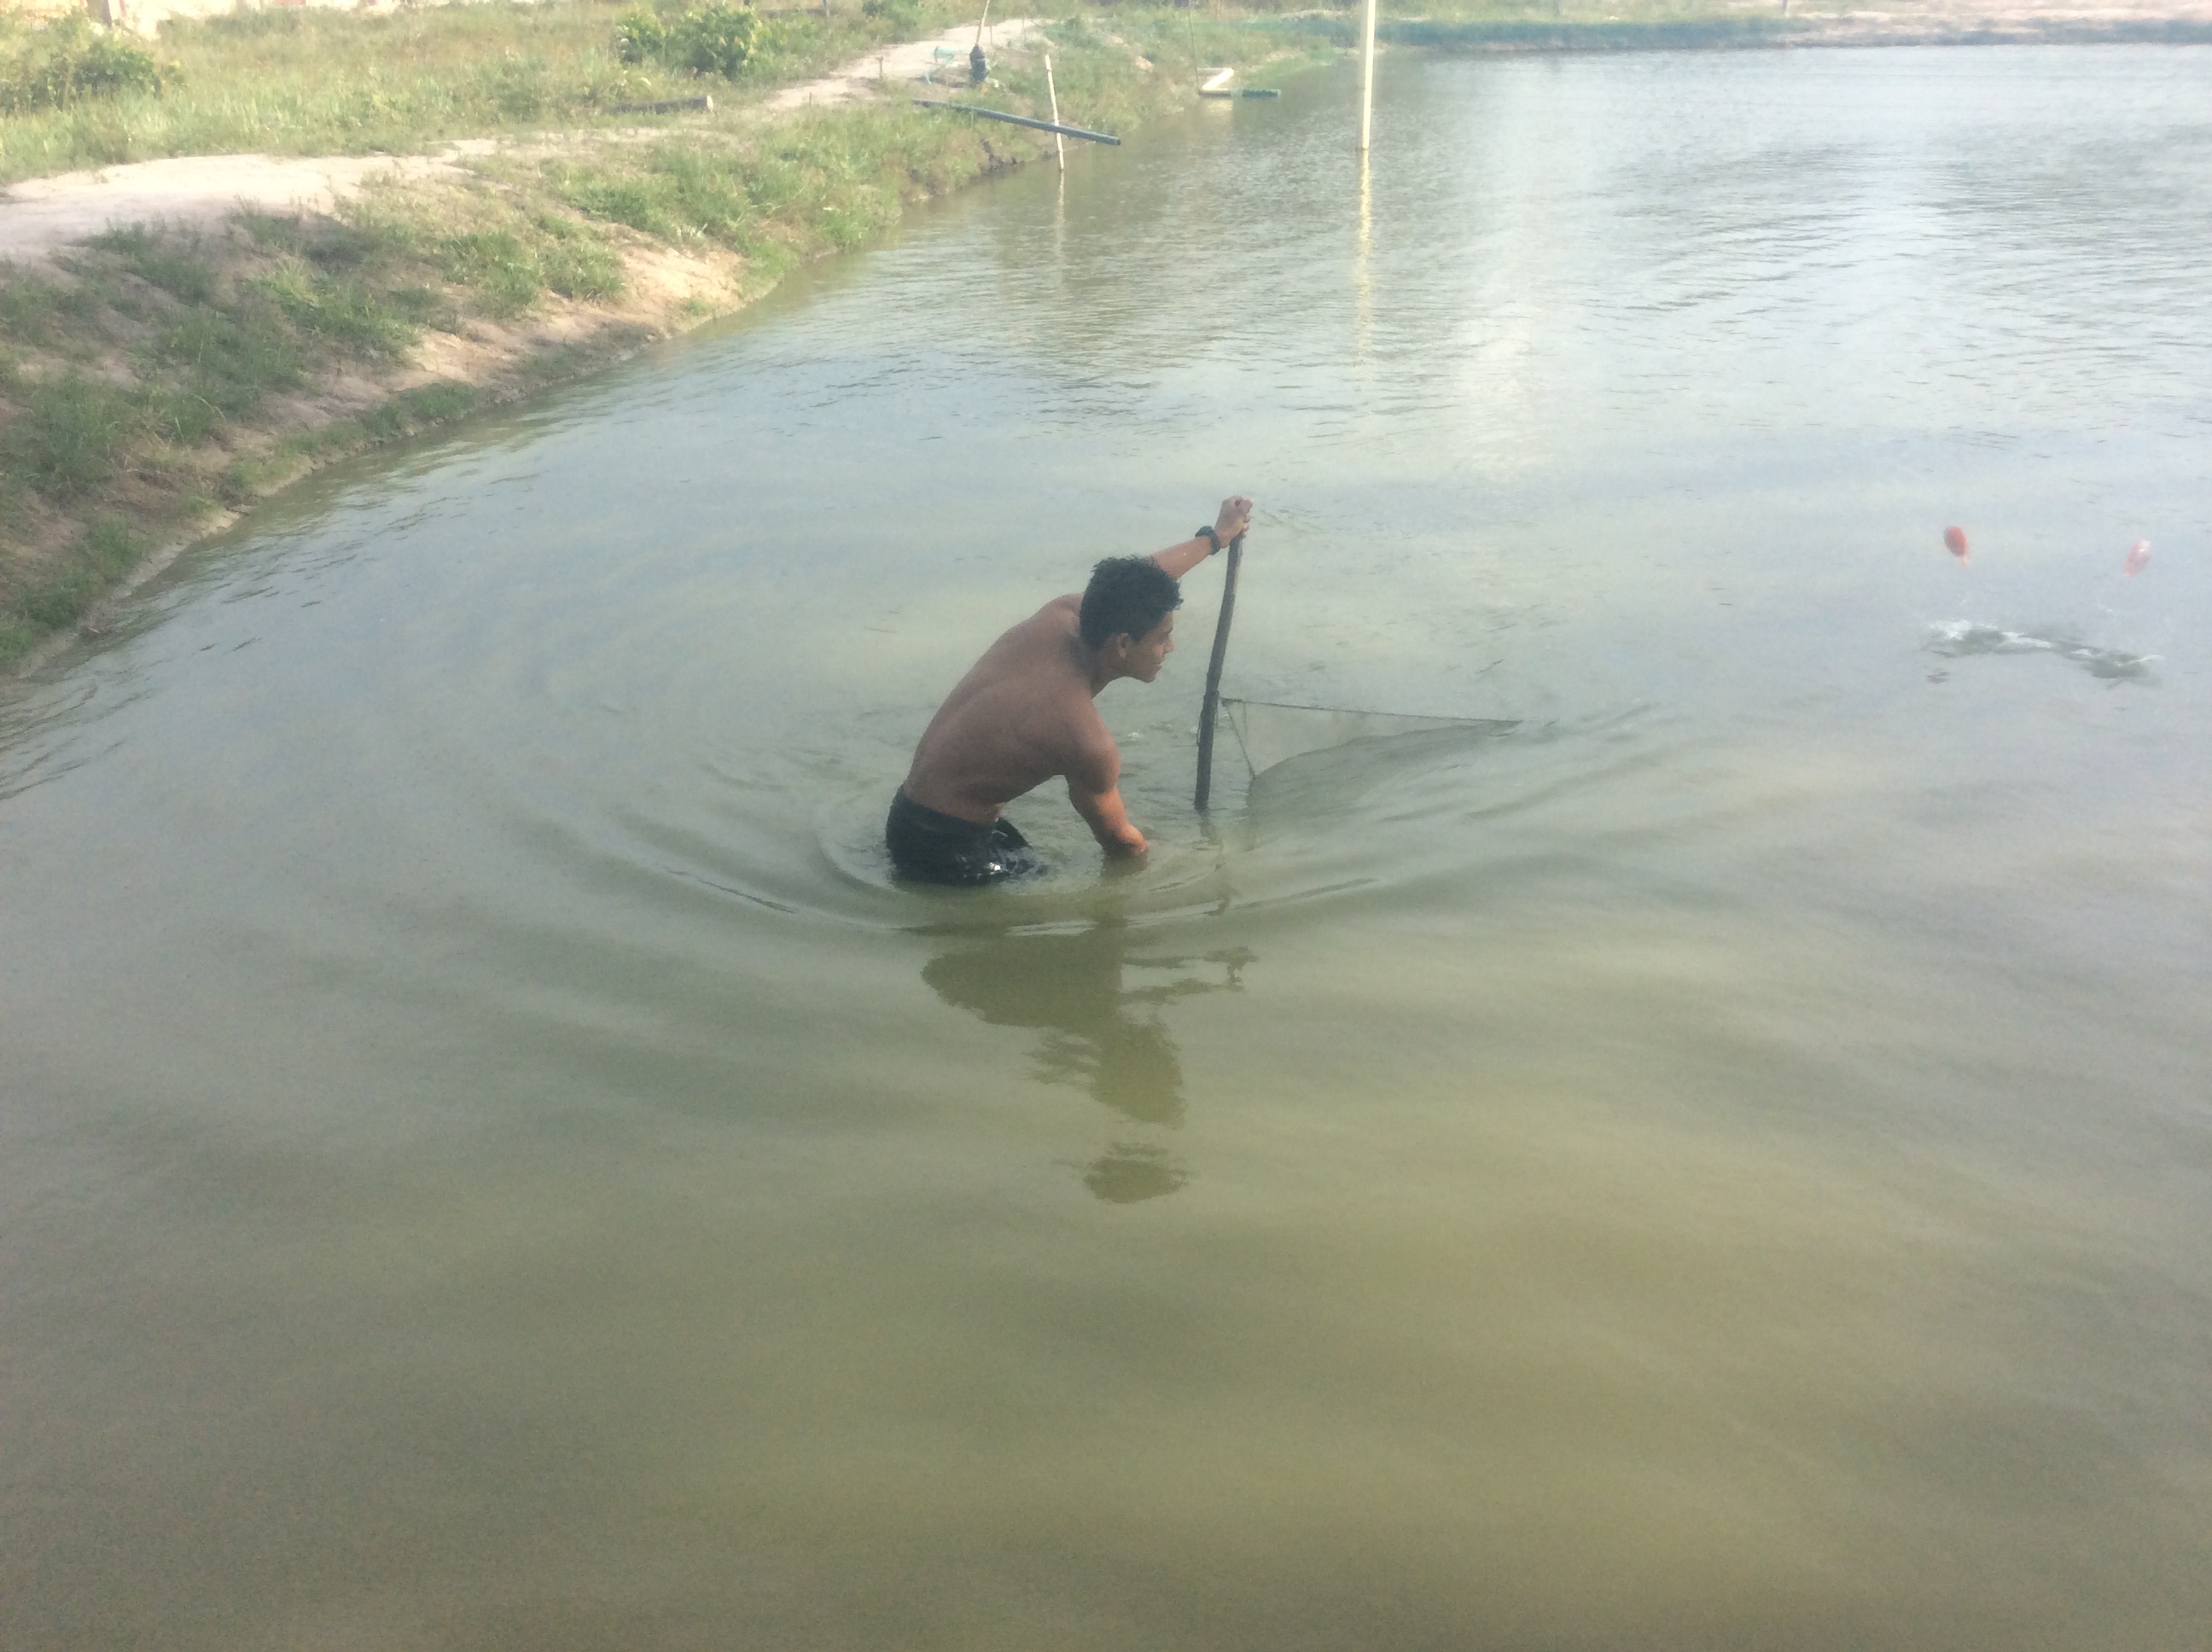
(1209,712)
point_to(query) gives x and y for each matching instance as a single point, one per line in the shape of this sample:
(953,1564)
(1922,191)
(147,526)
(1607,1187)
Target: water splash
(1956,638)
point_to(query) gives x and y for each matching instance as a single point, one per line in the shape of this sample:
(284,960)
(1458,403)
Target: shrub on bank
(713,40)
(896,18)
(68,60)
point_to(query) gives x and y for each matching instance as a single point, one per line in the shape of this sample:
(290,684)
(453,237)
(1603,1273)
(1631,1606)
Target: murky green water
(488,1161)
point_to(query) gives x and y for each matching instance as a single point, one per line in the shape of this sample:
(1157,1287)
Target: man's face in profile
(1148,653)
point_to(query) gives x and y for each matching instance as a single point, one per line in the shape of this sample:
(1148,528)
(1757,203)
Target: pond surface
(489,1160)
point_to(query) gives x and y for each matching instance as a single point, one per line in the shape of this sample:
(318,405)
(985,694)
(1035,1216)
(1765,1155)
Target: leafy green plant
(68,61)
(709,40)
(717,40)
(896,18)
(639,36)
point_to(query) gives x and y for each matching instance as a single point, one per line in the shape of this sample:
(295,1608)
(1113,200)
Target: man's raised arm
(1179,560)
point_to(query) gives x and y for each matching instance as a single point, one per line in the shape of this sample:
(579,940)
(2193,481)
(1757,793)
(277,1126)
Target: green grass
(320,81)
(299,80)
(68,436)
(122,376)
(142,382)
(100,554)
(810,185)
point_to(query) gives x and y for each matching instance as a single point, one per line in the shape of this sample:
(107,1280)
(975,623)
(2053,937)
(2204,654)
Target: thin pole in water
(1367,79)
(1059,143)
(1210,713)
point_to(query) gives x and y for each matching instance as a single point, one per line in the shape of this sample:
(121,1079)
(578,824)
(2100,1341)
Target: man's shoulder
(1051,624)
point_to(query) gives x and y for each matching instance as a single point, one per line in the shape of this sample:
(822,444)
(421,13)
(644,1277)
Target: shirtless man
(1024,714)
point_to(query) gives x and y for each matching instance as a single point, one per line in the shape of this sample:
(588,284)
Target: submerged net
(1268,732)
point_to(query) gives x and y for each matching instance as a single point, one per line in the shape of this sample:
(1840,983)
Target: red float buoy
(1954,541)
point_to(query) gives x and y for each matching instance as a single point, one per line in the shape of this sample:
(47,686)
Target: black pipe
(1016,120)
(665,106)
(1209,712)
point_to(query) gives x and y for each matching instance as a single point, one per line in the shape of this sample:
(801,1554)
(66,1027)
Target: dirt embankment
(152,293)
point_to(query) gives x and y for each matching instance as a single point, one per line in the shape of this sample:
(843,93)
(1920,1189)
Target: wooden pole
(1059,143)
(1209,712)
(1367,78)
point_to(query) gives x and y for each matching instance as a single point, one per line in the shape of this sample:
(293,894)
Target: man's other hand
(1236,517)
(1127,840)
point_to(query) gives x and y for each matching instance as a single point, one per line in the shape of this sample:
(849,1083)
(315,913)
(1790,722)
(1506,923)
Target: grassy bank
(299,81)
(151,381)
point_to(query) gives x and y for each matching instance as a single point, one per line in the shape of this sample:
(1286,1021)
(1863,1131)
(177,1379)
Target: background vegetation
(148,377)
(295,81)
(67,61)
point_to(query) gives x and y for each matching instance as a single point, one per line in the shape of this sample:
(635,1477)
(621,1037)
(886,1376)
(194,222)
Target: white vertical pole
(1059,143)
(1363,280)
(1367,79)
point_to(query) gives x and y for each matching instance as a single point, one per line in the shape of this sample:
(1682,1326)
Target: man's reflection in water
(1099,1009)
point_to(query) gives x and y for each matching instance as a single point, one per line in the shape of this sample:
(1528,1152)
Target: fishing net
(1269,734)
(1272,732)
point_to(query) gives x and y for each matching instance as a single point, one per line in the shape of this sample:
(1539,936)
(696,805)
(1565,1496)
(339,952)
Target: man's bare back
(1024,713)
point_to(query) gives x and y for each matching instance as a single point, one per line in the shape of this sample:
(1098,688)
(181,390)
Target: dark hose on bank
(1211,712)
(1017,120)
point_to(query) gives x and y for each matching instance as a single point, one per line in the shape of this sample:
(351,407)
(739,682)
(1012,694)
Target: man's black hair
(1129,594)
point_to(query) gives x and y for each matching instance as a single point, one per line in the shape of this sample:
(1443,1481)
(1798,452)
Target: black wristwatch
(1210,538)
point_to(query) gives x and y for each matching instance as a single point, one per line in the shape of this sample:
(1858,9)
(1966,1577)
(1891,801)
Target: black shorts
(940,848)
